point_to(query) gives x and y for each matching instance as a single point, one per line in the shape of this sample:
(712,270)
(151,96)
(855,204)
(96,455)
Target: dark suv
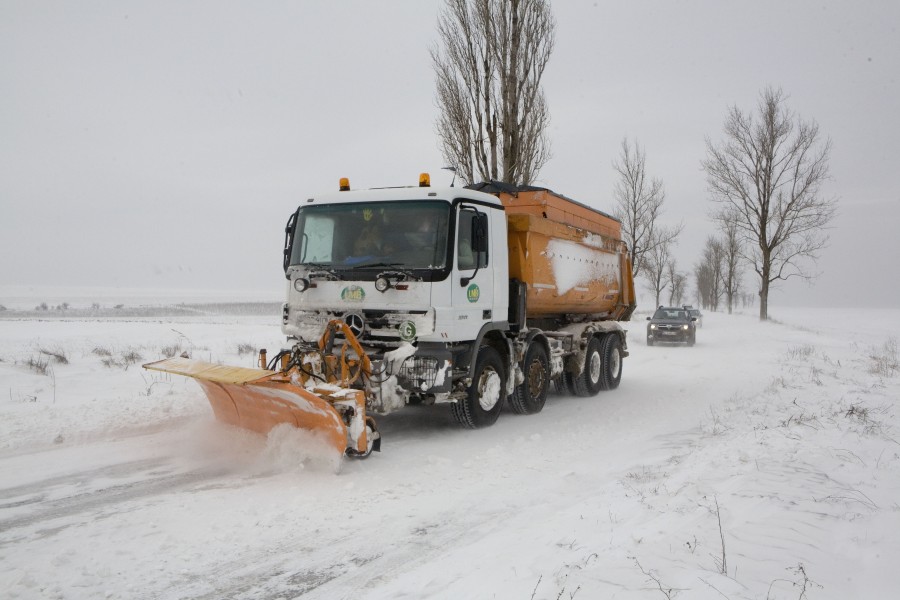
(671,324)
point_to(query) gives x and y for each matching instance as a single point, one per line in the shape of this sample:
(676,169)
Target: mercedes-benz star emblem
(356,323)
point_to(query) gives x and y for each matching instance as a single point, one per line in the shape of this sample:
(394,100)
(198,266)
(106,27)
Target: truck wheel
(612,362)
(530,396)
(591,379)
(565,384)
(484,398)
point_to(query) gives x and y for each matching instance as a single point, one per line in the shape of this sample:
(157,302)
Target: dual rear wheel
(485,397)
(602,367)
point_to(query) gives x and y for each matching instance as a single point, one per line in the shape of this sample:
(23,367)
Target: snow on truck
(476,297)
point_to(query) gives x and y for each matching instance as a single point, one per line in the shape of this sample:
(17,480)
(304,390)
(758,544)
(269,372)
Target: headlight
(301,284)
(652,326)
(382,284)
(685,327)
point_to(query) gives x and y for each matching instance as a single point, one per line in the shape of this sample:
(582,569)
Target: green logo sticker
(353,293)
(473,293)
(407,330)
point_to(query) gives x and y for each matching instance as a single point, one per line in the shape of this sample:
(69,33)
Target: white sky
(164,144)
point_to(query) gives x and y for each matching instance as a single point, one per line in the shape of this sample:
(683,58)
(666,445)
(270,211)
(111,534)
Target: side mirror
(648,318)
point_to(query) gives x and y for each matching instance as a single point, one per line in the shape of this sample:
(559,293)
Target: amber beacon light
(424,180)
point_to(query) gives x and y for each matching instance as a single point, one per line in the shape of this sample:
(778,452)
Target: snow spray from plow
(311,389)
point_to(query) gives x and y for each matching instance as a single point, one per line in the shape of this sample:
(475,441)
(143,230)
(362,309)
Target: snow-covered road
(759,463)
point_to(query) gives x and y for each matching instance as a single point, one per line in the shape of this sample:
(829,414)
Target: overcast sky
(164,143)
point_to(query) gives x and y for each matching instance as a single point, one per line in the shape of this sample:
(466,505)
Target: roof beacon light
(344,184)
(424,180)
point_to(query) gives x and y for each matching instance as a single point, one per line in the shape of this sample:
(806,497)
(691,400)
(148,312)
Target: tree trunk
(764,297)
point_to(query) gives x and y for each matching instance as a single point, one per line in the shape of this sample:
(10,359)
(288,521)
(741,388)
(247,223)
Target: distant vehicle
(671,324)
(696,314)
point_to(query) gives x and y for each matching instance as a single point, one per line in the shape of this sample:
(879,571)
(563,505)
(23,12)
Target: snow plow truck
(477,297)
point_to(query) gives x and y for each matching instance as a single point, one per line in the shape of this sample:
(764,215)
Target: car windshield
(382,235)
(676,314)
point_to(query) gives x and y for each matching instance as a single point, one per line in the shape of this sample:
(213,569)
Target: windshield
(382,235)
(671,314)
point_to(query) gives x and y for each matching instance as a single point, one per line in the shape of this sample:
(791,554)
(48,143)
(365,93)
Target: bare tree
(676,281)
(769,172)
(708,274)
(703,284)
(638,206)
(731,261)
(657,261)
(493,114)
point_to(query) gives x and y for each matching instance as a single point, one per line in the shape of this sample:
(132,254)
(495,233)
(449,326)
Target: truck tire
(590,381)
(612,362)
(484,398)
(530,396)
(565,384)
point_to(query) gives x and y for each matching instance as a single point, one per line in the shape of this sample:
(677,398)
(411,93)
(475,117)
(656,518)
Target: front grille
(382,319)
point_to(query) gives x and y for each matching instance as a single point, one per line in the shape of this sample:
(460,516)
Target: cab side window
(466,257)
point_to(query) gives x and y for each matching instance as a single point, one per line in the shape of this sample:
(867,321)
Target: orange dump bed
(559,209)
(570,256)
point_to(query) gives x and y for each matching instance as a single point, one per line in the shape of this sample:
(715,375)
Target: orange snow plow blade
(260,399)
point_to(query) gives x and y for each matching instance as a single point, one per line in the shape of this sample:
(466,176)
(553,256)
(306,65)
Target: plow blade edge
(258,399)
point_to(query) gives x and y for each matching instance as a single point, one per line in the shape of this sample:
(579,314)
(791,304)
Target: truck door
(473,284)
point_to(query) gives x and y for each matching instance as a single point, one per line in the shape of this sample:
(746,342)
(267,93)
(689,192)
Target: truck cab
(412,271)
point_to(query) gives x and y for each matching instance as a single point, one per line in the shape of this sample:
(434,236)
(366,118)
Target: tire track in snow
(340,567)
(148,478)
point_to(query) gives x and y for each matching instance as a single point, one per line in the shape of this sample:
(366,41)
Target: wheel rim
(489,389)
(615,360)
(535,380)
(594,367)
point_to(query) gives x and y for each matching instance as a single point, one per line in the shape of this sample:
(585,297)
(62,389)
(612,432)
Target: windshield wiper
(320,270)
(378,264)
(397,268)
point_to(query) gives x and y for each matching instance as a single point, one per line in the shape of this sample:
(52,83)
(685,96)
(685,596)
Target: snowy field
(763,463)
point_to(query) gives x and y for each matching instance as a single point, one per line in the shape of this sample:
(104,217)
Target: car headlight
(685,327)
(652,326)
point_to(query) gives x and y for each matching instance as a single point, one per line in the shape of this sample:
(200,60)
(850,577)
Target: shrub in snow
(884,359)
(57,354)
(39,365)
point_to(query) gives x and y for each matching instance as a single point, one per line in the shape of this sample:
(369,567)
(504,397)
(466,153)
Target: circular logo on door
(473,293)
